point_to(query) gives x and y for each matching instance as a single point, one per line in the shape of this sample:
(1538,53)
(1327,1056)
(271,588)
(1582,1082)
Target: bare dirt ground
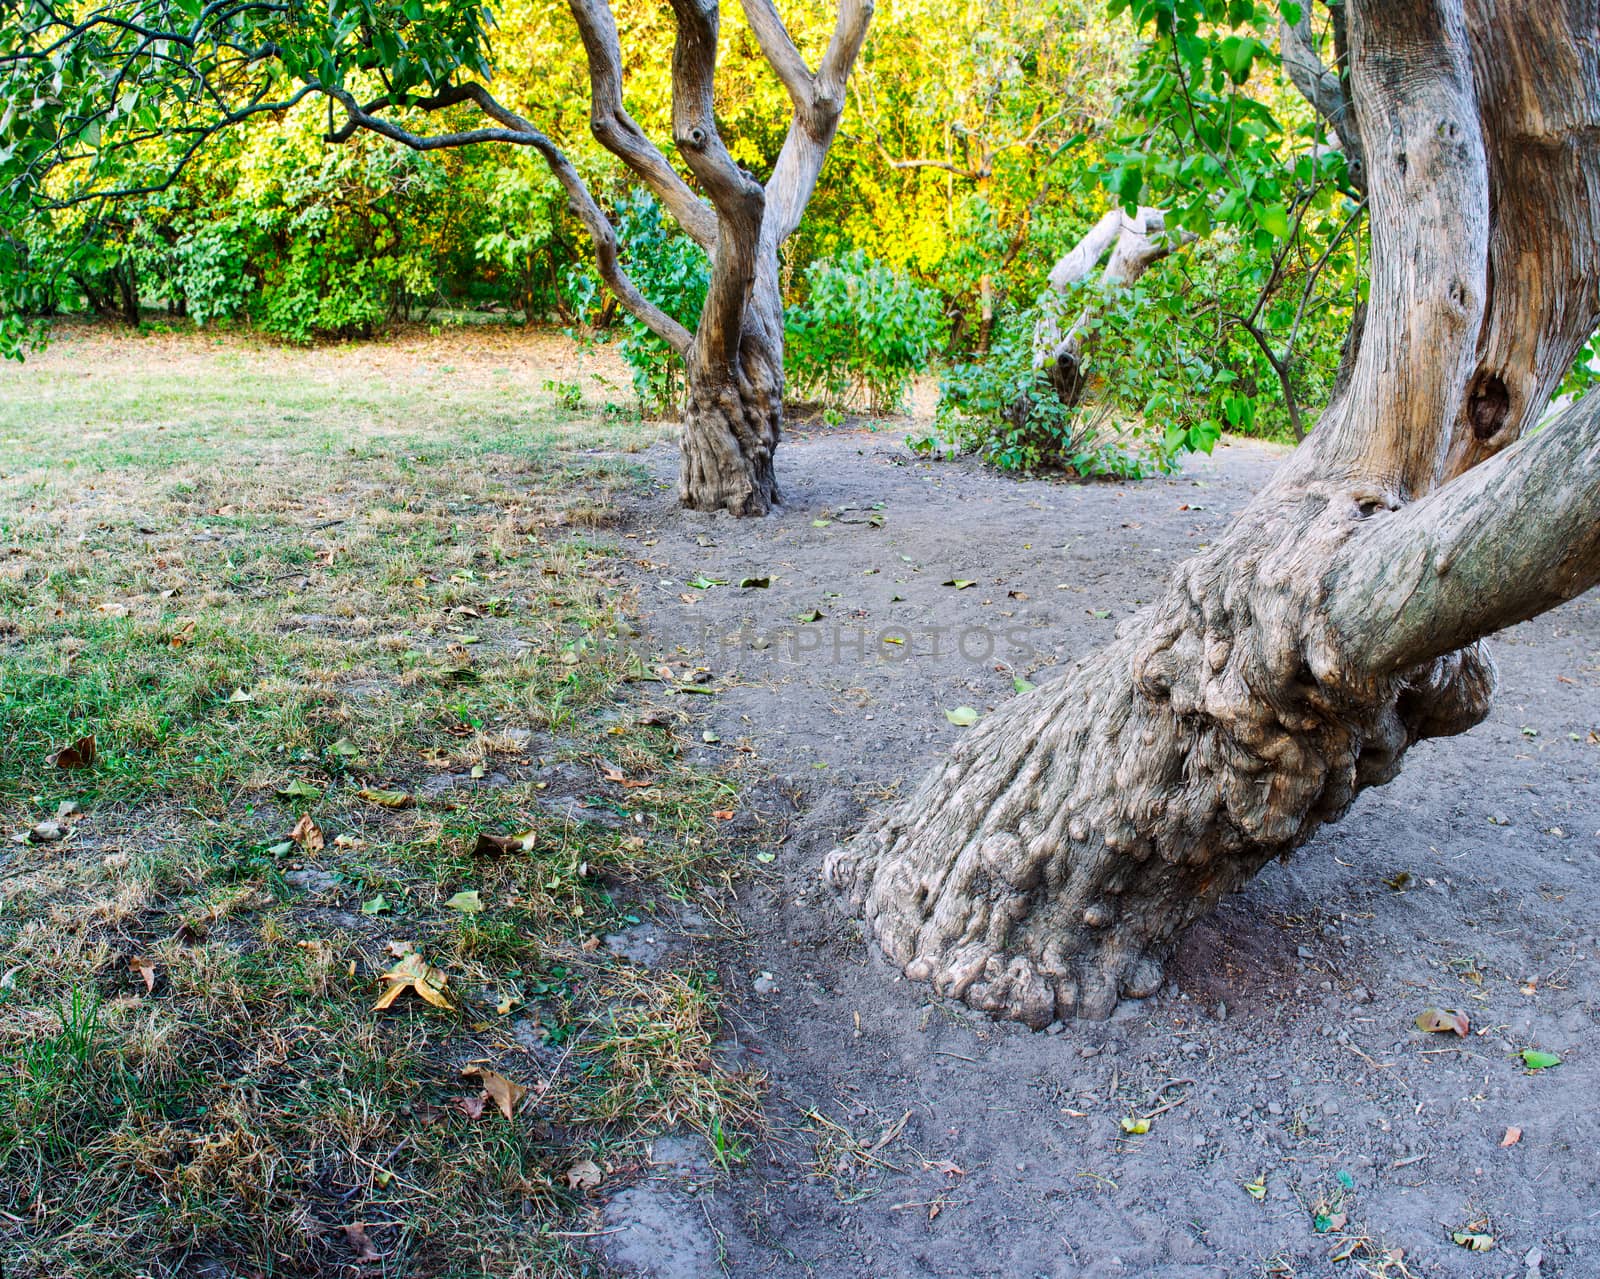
(1299,1125)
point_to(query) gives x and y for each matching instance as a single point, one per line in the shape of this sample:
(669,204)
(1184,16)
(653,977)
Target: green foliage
(1004,409)
(862,333)
(672,271)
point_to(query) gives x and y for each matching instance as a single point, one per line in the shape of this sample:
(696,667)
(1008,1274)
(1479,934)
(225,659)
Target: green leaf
(754,583)
(1533,1059)
(1020,685)
(467,902)
(960,583)
(815,615)
(298,789)
(706,583)
(962,716)
(377,906)
(1274,218)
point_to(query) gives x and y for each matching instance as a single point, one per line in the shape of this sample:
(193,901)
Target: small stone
(1089,1050)
(1305,952)
(1330,1107)
(764,984)
(1222,1010)
(1274,1108)
(1055,1028)
(1361,995)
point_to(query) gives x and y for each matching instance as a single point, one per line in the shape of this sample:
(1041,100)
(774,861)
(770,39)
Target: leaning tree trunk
(1047,868)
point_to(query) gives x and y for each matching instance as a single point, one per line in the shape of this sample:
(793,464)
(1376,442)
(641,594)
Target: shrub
(1002,408)
(862,333)
(672,271)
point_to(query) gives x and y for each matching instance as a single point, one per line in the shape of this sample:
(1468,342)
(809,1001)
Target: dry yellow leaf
(308,834)
(501,1090)
(417,974)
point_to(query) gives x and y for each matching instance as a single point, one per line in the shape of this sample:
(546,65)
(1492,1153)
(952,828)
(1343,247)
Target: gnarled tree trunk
(733,412)
(1049,865)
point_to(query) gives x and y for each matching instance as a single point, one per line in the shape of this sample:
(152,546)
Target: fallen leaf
(1533,1059)
(815,615)
(1512,1137)
(1473,1241)
(471,1107)
(146,969)
(81,754)
(1256,1189)
(585,1174)
(490,845)
(501,1090)
(723,814)
(962,716)
(467,902)
(616,777)
(298,789)
(240,695)
(1323,1222)
(344,747)
(308,834)
(414,973)
(376,906)
(1399,881)
(960,583)
(755,583)
(703,583)
(387,798)
(1436,1020)
(1020,685)
(46,832)
(356,1236)
(1100,612)
(1138,1127)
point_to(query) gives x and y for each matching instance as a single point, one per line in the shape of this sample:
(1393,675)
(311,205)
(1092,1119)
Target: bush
(673,272)
(862,333)
(1004,409)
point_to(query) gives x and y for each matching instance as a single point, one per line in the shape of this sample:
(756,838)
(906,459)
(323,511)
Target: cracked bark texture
(1049,865)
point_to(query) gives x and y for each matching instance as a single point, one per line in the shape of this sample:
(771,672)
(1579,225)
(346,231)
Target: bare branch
(779,50)
(1324,88)
(518,131)
(620,134)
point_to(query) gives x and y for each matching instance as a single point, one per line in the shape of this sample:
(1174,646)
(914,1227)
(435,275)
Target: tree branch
(621,135)
(1514,536)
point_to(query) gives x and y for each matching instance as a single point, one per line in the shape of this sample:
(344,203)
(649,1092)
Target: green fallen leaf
(960,583)
(962,716)
(1533,1059)
(377,906)
(1020,685)
(1100,612)
(755,583)
(766,857)
(701,689)
(703,583)
(1138,1127)
(820,523)
(815,615)
(344,747)
(710,738)
(240,695)
(467,902)
(1256,1189)
(298,789)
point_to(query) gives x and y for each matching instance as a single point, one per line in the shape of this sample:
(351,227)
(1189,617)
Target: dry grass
(266,583)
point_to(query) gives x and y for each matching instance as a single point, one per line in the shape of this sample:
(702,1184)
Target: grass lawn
(328,617)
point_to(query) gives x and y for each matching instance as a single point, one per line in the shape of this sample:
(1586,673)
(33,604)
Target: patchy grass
(328,619)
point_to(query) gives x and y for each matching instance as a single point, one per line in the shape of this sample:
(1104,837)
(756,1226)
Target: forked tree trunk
(1049,865)
(733,412)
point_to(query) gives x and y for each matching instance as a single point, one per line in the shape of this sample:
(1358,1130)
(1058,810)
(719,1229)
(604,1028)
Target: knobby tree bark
(1049,865)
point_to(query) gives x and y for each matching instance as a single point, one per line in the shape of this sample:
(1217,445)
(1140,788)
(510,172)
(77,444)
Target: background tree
(86,95)
(1050,864)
